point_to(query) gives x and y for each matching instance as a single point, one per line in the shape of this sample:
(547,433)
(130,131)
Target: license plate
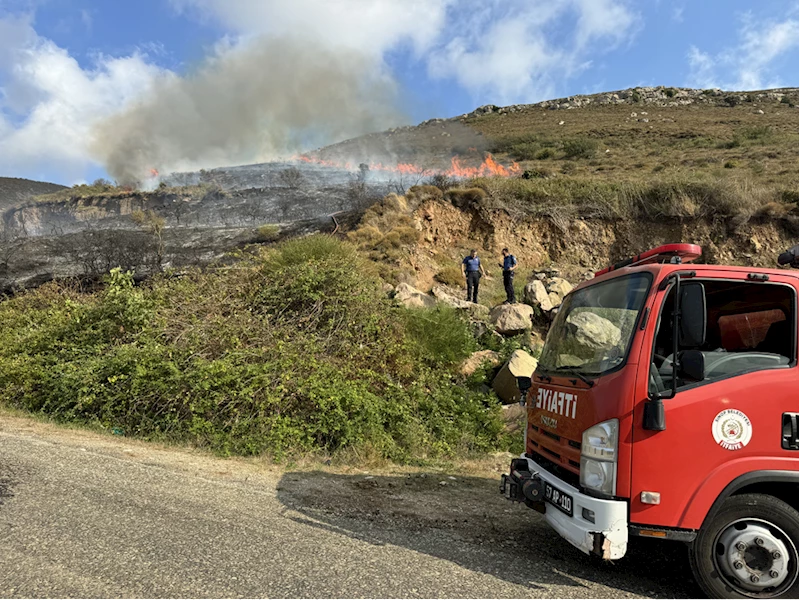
(558,499)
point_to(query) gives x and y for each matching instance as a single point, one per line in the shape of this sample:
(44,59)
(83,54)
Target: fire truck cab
(666,404)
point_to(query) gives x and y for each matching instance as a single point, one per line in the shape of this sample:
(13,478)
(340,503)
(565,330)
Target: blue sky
(70,68)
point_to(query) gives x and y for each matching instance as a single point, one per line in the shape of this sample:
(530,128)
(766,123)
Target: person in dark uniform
(472,270)
(789,257)
(508,265)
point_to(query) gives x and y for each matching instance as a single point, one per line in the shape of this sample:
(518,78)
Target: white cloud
(500,50)
(524,51)
(372,26)
(748,65)
(49,103)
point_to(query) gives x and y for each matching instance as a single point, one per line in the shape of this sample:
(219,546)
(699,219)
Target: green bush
(450,275)
(440,335)
(580,148)
(294,350)
(268,233)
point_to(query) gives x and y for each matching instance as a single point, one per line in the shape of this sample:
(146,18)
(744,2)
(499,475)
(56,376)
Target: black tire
(708,554)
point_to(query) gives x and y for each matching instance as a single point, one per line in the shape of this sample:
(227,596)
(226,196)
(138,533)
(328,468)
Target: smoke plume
(248,103)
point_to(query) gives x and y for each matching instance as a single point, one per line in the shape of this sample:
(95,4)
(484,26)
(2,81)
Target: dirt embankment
(582,246)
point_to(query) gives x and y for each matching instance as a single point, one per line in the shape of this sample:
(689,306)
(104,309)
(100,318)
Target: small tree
(153,224)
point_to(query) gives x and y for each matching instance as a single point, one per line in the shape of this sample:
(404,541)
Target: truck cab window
(751,326)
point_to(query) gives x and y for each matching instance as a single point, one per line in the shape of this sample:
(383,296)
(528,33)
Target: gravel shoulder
(88,515)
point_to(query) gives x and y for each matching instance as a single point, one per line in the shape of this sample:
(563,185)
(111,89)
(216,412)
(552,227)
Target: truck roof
(661,270)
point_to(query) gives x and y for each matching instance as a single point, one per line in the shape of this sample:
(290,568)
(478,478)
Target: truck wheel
(748,549)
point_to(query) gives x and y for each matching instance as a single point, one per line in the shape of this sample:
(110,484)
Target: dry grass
(703,197)
(692,141)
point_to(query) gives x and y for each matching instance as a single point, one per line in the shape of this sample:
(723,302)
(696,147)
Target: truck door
(729,419)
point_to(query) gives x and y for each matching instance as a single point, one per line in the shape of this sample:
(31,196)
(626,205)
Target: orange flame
(154,173)
(488,168)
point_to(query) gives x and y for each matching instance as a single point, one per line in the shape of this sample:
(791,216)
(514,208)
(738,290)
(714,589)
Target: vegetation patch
(294,350)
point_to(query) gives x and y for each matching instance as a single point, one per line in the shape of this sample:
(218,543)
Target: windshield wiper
(572,371)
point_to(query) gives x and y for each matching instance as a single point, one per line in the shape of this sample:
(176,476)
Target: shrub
(440,335)
(465,197)
(295,350)
(755,132)
(407,235)
(450,275)
(670,92)
(536,174)
(525,151)
(544,154)
(268,233)
(366,236)
(442,181)
(636,96)
(291,177)
(580,148)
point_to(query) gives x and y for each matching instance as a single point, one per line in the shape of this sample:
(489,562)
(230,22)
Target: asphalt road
(85,515)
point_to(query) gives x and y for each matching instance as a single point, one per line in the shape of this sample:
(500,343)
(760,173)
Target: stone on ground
(510,319)
(535,294)
(413,298)
(560,286)
(471,364)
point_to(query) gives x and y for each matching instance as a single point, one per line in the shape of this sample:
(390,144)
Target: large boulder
(535,294)
(471,364)
(559,286)
(448,297)
(510,319)
(592,332)
(413,298)
(520,364)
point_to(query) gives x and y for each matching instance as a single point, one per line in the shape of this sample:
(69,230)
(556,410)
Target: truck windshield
(594,327)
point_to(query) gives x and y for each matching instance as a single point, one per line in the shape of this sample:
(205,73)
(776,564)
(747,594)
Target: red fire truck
(666,404)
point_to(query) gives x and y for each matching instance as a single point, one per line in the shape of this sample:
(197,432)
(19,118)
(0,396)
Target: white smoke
(250,102)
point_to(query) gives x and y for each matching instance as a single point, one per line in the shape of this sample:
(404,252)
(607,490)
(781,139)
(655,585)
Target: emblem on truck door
(549,422)
(732,429)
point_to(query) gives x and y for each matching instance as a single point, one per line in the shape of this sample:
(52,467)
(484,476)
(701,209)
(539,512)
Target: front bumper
(596,526)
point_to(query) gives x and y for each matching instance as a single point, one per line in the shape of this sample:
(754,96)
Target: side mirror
(693,314)
(691,365)
(524,384)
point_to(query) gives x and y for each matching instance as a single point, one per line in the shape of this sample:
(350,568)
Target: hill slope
(14,191)
(624,135)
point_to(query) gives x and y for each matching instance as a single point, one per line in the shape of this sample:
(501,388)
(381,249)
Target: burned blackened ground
(85,236)
(465,520)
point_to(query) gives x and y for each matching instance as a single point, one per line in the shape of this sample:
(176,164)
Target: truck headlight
(598,457)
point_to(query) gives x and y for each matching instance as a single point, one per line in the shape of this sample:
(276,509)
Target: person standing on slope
(509,264)
(472,270)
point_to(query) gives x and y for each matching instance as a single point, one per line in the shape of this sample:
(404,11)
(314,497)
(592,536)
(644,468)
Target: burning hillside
(458,168)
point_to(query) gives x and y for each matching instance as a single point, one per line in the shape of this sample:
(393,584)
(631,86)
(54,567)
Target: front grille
(573,479)
(554,436)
